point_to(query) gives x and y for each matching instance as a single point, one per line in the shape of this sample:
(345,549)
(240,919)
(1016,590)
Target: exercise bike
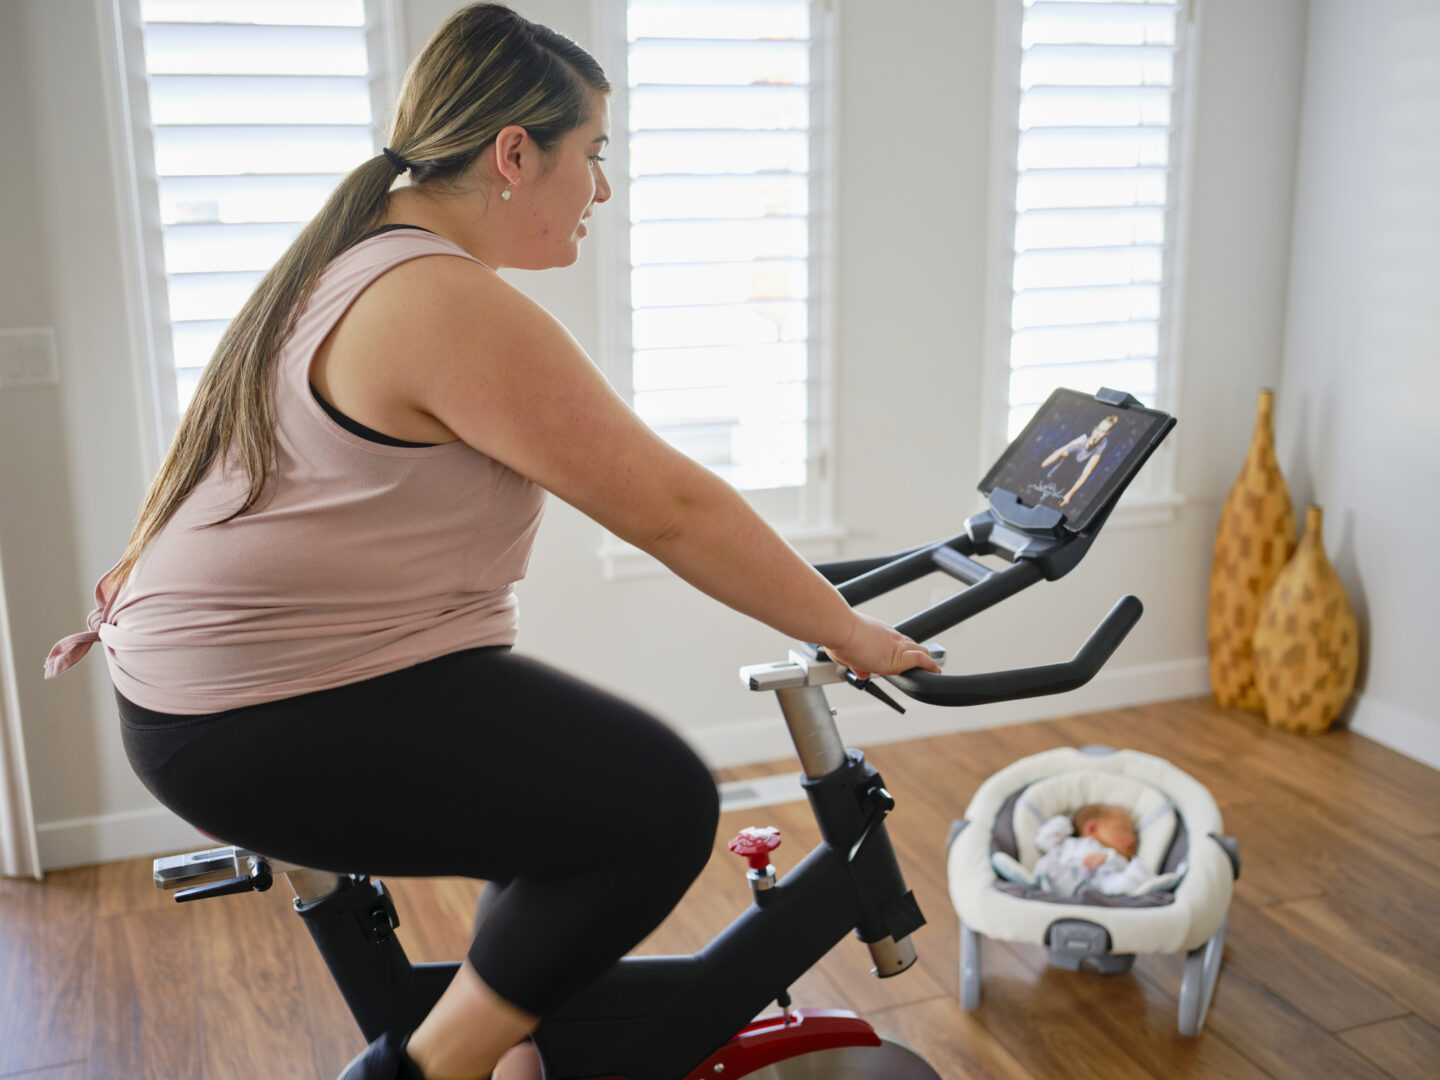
(693,1017)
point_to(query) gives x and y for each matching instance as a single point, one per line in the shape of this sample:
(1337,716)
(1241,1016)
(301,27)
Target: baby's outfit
(1062,868)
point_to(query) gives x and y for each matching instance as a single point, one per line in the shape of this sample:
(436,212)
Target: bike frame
(657,1018)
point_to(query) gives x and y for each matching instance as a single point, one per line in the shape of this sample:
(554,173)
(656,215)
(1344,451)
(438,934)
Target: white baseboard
(129,834)
(865,722)
(1411,734)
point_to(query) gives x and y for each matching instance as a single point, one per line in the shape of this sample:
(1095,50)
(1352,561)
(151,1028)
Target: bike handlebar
(863,579)
(983,688)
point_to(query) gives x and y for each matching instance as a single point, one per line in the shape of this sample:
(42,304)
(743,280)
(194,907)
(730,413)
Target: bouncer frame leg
(1202,969)
(969,968)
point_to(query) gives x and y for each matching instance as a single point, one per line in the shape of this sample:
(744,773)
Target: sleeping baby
(1095,848)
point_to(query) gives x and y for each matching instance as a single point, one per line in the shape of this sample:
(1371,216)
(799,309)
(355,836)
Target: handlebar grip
(1026,682)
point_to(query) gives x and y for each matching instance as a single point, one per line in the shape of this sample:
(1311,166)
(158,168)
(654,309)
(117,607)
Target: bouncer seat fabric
(1021,820)
(1177,825)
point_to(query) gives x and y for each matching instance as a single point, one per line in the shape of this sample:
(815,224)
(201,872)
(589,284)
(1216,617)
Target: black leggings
(481,764)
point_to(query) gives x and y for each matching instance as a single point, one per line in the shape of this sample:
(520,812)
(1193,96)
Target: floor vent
(761,791)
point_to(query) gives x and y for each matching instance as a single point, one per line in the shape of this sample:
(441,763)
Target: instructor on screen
(1084,448)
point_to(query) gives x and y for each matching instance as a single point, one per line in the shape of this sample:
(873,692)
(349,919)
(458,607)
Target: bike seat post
(310,885)
(812,728)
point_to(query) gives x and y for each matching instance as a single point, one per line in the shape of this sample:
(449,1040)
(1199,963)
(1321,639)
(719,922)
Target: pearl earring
(506,193)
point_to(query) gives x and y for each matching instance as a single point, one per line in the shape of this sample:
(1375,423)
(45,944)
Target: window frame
(812,528)
(1153,499)
(137,195)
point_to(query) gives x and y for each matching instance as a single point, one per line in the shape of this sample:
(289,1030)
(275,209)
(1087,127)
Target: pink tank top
(361,559)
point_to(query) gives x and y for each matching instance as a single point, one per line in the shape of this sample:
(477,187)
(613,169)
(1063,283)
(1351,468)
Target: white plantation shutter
(257,109)
(722,238)
(1096,159)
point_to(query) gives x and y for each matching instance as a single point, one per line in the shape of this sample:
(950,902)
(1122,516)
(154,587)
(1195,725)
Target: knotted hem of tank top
(67,652)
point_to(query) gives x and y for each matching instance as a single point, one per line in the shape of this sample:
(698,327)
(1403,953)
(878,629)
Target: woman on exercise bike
(317,601)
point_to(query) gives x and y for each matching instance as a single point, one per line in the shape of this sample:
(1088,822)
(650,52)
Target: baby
(1095,848)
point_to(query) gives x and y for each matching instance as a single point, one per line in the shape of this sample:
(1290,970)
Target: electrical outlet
(27,358)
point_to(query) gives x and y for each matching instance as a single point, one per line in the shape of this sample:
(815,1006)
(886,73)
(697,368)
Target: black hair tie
(395,159)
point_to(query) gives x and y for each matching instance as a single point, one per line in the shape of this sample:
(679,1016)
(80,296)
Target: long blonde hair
(484,69)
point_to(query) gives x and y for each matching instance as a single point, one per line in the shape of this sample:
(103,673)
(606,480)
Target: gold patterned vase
(1254,542)
(1307,642)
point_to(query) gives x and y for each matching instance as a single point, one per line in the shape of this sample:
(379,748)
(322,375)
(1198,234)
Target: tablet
(1077,454)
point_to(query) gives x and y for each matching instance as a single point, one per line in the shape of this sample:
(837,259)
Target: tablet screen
(1077,454)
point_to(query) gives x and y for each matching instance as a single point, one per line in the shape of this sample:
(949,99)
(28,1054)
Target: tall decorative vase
(1307,642)
(1255,540)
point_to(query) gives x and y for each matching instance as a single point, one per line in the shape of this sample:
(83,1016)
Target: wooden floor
(1332,967)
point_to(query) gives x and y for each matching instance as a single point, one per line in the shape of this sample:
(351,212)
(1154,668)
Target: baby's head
(1110,825)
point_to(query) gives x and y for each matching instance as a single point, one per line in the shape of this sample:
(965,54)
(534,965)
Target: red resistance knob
(756,844)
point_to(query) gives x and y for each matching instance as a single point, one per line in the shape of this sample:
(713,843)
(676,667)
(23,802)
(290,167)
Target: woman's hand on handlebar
(874,648)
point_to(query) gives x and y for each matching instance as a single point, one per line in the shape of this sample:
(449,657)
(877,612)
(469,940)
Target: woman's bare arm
(503,375)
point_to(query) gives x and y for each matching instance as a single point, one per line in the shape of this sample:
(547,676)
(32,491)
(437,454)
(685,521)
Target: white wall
(1357,426)
(70,463)
(915,105)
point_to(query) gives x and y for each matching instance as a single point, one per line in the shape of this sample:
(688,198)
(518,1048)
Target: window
(1092,95)
(250,113)
(724,244)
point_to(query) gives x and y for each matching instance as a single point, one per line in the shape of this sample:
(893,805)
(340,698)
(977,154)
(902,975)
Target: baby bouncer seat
(1181,840)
